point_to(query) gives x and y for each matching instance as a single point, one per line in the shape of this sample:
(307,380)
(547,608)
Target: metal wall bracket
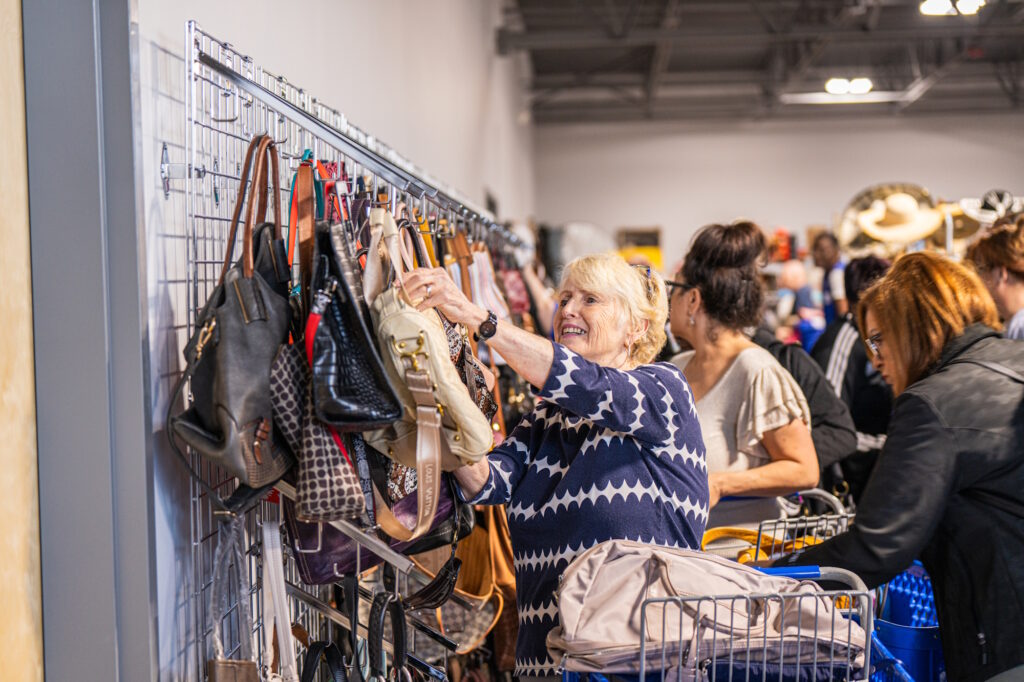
(174,171)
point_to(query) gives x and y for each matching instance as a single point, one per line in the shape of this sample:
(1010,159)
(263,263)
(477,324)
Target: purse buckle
(412,355)
(205,334)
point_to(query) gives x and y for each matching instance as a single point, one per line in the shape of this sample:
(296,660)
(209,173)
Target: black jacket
(832,427)
(949,488)
(841,355)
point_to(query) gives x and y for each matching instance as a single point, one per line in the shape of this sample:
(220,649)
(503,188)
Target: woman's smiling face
(590,323)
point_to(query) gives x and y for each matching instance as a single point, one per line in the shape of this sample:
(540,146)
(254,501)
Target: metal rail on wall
(228,99)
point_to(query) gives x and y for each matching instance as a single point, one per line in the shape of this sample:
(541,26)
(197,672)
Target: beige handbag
(441,427)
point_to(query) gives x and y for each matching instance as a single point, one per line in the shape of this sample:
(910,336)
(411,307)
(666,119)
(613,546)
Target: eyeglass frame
(874,342)
(682,286)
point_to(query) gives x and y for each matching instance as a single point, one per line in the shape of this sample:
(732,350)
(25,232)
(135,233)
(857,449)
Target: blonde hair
(639,292)
(924,301)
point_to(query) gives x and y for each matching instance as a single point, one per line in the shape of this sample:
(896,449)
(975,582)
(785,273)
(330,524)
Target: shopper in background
(842,356)
(797,307)
(753,415)
(832,430)
(614,449)
(833,293)
(948,487)
(998,256)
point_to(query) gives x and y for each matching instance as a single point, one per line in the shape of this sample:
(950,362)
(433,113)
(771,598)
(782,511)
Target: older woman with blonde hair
(614,449)
(948,486)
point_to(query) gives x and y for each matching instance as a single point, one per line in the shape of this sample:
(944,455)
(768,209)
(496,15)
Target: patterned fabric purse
(328,487)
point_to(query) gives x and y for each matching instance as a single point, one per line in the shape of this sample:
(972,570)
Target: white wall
(421,76)
(683,176)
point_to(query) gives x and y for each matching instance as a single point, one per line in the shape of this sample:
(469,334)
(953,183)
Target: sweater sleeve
(506,463)
(652,403)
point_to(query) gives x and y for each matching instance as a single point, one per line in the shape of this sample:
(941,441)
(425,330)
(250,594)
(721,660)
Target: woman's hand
(433,288)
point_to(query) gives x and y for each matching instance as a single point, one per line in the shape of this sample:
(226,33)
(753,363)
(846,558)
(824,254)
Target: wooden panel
(21,639)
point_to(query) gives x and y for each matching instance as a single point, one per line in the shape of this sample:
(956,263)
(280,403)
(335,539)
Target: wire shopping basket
(804,635)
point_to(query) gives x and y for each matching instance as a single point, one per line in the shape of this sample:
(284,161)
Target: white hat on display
(995,204)
(899,218)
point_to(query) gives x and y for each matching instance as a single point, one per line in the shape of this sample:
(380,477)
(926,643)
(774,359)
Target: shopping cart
(809,640)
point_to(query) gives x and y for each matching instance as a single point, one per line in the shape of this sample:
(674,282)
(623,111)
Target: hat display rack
(890,218)
(228,99)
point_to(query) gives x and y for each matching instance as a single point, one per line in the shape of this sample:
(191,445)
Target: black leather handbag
(238,332)
(351,390)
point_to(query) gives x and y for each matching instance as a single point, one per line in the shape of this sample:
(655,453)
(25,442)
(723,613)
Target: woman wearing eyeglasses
(948,487)
(753,415)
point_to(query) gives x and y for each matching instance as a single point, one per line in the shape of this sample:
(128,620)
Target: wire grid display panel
(221,121)
(731,639)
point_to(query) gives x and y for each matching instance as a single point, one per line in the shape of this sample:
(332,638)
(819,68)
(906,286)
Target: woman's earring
(693,322)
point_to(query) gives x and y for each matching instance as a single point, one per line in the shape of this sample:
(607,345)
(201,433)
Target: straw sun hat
(899,219)
(883,219)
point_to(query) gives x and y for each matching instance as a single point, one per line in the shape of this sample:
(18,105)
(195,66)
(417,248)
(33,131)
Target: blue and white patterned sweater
(607,454)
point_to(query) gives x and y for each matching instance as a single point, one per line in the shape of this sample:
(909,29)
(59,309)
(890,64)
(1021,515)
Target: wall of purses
(314,399)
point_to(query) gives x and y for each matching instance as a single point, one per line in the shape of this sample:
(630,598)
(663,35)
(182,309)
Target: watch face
(487,328)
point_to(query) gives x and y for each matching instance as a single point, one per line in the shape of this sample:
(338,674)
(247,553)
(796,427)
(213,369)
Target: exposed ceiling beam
(510,41)
(662,52)
(921,85)
(813,51)
(721,112)
(569,81)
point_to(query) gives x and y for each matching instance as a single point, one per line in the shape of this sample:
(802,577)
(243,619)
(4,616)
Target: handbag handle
(386,603)
(305,226)
(243,186)
(230,553)
(275,607)
(265,149)
(330,654)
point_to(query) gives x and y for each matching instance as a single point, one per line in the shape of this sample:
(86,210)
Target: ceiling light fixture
(845,86)
(860,86)
(945,8)
(837,86)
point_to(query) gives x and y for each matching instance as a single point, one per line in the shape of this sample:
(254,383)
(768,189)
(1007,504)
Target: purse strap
(275,609)
(305,227)
(228,559)
(264,150)
(384,604)
(428,463)
(331,655)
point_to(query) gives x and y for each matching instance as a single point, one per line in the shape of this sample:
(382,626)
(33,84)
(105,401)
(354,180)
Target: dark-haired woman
(754,417)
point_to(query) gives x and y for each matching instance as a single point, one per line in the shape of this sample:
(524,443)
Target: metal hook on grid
(175,171)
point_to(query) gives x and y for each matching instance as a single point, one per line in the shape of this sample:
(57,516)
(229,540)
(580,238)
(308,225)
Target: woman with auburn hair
(998,256)
(948,486)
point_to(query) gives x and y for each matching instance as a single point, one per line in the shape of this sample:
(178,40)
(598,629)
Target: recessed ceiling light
(970,6)
(937,8)
(945,8)
(860,86)
(837,86)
